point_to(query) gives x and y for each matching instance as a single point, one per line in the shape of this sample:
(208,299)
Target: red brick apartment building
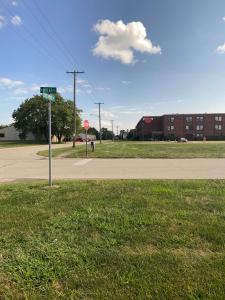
(190,126)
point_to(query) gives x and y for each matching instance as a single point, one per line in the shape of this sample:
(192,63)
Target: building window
(218,118)
(188,119)
(170,128)
(171,119)
(218,127)
(199,127)
(199,119)
(187,127)
(2,135)
(199,135)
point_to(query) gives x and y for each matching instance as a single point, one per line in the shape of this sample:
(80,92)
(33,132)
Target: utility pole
(112,121)
(117,130)
(99,117)
(75,73)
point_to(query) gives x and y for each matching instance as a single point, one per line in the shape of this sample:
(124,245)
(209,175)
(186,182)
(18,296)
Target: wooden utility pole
(99,118)
(75,73)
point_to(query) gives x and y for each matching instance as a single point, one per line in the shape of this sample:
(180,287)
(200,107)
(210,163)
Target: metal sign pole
(50,140)
(86,145)
(49,91)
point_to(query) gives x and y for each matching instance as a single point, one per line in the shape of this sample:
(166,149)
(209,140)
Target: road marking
(83,162)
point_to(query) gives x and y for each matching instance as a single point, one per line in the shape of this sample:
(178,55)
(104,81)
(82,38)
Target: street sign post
(49,93)
(86,127)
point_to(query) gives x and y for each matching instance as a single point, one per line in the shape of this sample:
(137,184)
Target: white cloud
(65,89)
(118,41)
(20,91)
(14,3)
(126,82)
(16,20)
(2,21)
(9,83)
(221,49)
(102,88)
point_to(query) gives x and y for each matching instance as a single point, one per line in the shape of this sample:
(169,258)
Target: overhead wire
(66,49)
(40,47)
(55,38)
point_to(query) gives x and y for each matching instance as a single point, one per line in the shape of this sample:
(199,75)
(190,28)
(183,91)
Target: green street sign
(50,97)
(48,90)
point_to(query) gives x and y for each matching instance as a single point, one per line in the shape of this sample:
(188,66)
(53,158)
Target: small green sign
(48,90)
(50,97)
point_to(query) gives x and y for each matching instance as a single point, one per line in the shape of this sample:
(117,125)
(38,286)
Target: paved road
(23,163)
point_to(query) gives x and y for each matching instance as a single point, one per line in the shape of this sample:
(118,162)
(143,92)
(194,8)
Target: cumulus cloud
(16,20)
(9,83)
(119,41)
(2,21)
(221,49)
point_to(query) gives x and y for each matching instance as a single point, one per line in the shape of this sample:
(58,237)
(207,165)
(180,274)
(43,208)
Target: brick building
(190,126)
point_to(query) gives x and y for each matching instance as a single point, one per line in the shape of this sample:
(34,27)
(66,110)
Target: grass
(113,240)
(16,144)
(144,150)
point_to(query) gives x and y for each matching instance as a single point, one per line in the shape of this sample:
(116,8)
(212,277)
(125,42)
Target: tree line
(32,117)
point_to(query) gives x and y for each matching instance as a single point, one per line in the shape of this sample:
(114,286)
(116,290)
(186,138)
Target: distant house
(90,137)
(10,133)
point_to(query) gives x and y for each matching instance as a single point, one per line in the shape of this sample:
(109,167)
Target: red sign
(148,120)
(86,124)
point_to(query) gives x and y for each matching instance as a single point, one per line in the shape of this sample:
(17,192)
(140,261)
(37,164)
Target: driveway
(23,163)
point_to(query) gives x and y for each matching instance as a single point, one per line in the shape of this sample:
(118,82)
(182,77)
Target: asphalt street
(24,163)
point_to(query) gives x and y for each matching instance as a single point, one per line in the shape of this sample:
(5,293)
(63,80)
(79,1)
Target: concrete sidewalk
(24,163)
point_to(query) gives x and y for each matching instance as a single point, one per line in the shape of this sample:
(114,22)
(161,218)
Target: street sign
(86,124)
(50,97)
(48,90)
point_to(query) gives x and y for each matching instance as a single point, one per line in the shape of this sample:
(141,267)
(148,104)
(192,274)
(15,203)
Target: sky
(146,57)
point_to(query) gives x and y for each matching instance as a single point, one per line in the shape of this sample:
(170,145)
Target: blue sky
(178,67)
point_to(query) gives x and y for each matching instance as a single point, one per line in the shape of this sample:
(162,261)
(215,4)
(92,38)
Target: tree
(106,134)
(32,116)
(93,131)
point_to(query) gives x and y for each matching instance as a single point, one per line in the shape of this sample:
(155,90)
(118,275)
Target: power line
(55,40)
(66,49)
(75,73)
(99,118)
(39,45)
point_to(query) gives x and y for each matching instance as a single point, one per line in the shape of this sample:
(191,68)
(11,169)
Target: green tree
(93,131)
(106,134)
(32,116)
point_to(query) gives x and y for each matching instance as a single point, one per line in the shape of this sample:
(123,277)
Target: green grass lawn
(144,150)
(16,144)
(113,240)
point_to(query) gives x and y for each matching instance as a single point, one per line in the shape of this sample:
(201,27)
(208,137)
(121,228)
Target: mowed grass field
(113,240)
(144,150)
(17,144)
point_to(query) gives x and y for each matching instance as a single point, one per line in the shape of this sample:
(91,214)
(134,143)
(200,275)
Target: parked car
(78,139)
(182,140)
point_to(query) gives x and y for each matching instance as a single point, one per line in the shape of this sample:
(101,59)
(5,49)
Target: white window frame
(199,127)
(218,127)
(218,118)
(188,119)
(199,119)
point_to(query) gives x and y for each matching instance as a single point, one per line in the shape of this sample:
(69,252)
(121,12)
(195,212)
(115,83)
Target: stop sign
(86,124)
